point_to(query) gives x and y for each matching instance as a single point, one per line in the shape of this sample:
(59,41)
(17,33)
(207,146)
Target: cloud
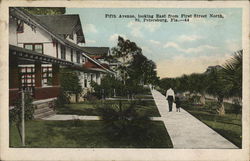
(152,27)
(114,37)
(185,38)
(189,50)
(146,49)
(198,22)
(137,28)
(154,42)
(171,44)
(90,28)
(179,65)
(233,45)
(90,41)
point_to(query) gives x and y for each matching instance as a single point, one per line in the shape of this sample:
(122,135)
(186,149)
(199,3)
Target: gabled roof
(94,51)
(35,21)
(40,22)
(63,24)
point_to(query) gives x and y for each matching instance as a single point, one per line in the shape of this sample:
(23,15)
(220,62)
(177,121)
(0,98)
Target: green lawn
(144,97)
(229,125)
(88,108)
(84,108)
(84,134)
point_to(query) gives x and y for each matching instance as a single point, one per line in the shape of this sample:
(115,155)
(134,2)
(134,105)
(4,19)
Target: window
(85,80)
(28,46)
(78,57)
(91,77)
(71,51)
(37,47)
(85,83)
(46,76)
(63,54)
(20,26)
(27,76)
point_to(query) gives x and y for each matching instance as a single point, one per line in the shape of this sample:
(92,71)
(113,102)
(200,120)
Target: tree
(217,88)
(107,87)
(70,82)
(134,65)
(232,75)
(197,84)
(124,52)
(45,10)
(227,82)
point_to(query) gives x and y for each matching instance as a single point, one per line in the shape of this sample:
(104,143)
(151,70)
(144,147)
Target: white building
(57,37)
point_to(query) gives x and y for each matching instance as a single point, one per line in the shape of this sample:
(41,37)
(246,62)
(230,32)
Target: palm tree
(232,75)
(199,86)
(217,88)
(227,81)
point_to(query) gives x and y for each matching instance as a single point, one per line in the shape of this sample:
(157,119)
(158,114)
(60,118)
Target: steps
(44,108)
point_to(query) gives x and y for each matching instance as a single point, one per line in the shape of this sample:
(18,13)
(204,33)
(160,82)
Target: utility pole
(23,119)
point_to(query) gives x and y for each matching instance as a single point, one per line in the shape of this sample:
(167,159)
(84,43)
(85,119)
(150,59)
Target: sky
(177,48)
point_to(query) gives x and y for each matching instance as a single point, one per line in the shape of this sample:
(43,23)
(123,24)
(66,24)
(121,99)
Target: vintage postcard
(116,80)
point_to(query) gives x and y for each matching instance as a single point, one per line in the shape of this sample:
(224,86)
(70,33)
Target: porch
(38,73)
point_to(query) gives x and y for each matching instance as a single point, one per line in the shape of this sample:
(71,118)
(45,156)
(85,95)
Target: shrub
(236,107)
(90,97)
(124,120)
(110,87)
(62,99)
(195,99)
(186,104)
(70,82)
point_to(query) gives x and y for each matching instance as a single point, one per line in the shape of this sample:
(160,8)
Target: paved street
(185,130)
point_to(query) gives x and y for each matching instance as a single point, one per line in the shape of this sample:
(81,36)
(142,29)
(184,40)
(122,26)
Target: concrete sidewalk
(187,132)
(71,117)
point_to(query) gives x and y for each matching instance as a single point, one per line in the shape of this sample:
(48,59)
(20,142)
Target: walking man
(170,98)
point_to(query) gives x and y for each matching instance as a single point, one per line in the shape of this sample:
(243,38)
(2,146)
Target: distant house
(96,62)
(210,68)
(39,47)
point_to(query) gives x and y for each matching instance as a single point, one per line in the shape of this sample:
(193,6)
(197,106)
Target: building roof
(63,24)
(210,68)
(94,51)
(39,21)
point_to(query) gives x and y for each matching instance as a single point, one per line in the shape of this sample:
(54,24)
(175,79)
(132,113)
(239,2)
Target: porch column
(13,74)
(38,74)
(55,75)
(98,78)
